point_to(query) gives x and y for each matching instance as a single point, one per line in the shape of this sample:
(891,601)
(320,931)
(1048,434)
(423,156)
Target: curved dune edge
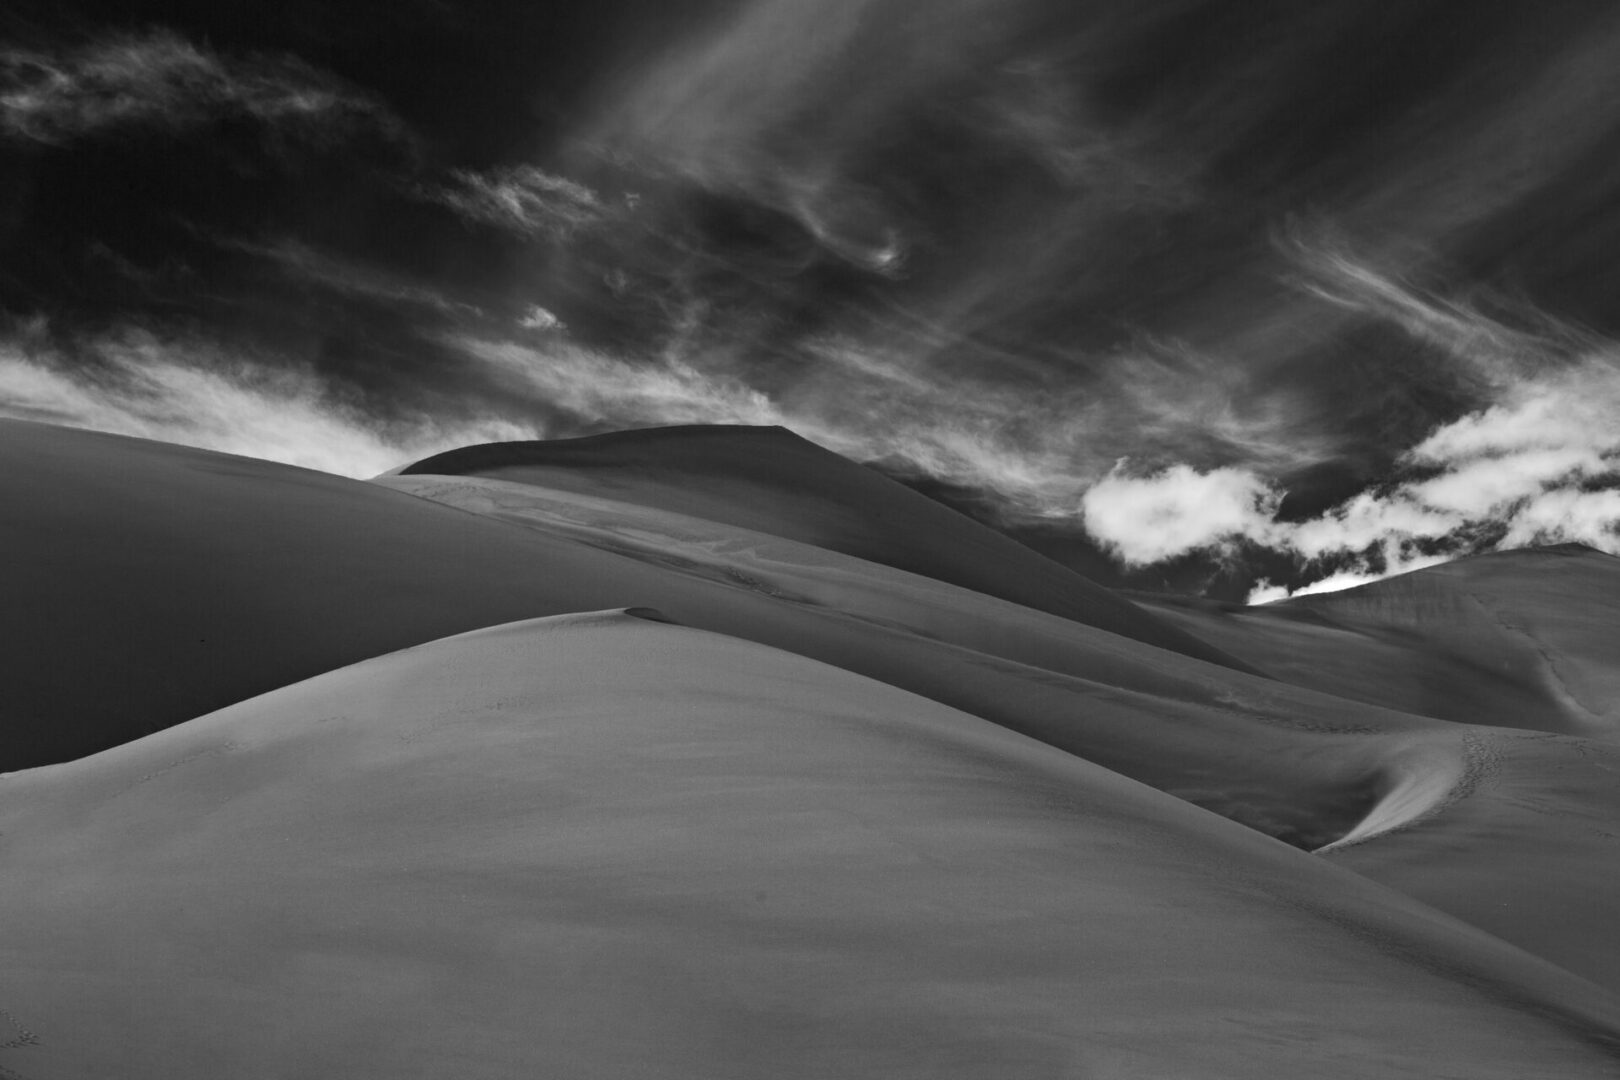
(1516,639)
(180,572)
(1293,763)
(770,480)
(231,576)
(596,844)
(1061,682)
(1417,784)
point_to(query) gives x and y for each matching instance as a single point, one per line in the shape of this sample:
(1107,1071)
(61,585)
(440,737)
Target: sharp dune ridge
(1516,639)
(705,752)
(768,479)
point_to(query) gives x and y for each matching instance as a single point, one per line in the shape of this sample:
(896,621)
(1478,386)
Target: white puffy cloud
(1565,515)
(539,318)
(1572,408)
(1364,520)
(1535,461)
(1477,486)
(1542,465)
(1147,519)
(1539,464)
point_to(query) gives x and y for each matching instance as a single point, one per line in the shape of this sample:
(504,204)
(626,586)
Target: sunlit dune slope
(1523,639)
(770,480)
(1295,763)
(167,581)
(149,583)
(1524,843)
(600,846)
(192,580)
(1227,740)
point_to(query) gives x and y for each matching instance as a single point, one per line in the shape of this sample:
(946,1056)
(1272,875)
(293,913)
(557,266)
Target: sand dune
(1520,639)
(152,583)
(832,815)
(1288,761)
(1153,714)
(767,479)
(200,579)
(499,855)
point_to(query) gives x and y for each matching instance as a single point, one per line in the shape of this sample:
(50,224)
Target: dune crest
(1519,639)
(769,480)
(694,790)
(498,853)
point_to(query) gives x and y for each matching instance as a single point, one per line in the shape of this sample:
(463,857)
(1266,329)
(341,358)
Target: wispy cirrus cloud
(199,393)
(602,391)
(304,262)
(523,199)
(1027,444)
(1498,345)
(161,81)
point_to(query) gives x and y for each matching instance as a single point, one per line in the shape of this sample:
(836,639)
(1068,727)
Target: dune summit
(767,479)
(704,752)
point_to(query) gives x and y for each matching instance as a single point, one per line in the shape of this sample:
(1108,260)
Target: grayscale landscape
(501,765)
(809,539)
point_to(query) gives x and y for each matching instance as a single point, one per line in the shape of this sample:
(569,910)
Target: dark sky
(1190,292)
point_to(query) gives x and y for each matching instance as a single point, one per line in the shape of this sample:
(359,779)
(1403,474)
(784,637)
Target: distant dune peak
(771,480)
(738,437)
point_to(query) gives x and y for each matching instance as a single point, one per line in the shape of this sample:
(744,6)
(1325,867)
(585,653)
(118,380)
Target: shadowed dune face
(151,583)
(1294,763)
(772,481)
(601,846)
(1524,845)
(196,580)
(1226,741)
(1521,639)
(807,811)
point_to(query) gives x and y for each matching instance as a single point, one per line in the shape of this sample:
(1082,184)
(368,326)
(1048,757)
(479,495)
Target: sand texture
(608,758)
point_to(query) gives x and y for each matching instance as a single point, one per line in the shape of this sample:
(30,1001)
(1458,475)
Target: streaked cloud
(523,199)
(605,391)
(161,81)
(330,271)
(196,393)
(1496,350)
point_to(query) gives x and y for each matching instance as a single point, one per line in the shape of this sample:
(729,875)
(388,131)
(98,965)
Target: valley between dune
(704,752)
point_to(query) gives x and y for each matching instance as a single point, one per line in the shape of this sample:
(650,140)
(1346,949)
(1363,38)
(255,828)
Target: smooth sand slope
(190,580)
(170,581)
(1156,715)
(150,583)
(1435,806)
(1523,639)
(599,846)
(769,480)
